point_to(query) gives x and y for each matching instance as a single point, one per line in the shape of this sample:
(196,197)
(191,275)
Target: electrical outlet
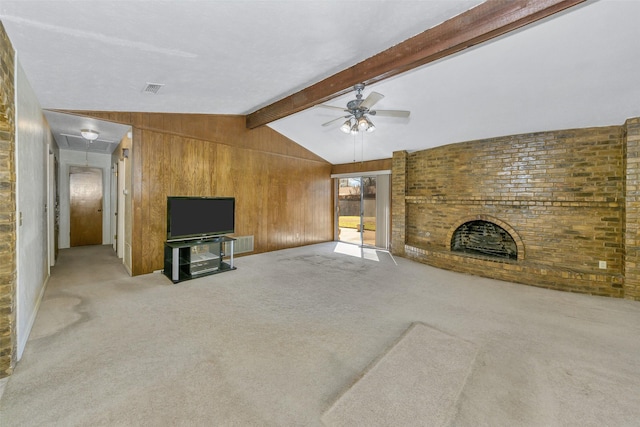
(602,265)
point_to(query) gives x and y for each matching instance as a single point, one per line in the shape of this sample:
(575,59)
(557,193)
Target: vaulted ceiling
(574,68)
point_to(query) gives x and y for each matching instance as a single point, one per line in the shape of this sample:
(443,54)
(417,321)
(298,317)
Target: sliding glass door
(358,210)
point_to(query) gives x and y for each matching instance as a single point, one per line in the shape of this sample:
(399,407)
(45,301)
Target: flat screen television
(199,217)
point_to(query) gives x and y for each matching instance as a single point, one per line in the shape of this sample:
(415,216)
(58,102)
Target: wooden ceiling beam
(488,20)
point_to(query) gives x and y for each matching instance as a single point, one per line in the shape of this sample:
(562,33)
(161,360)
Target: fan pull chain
(354,148)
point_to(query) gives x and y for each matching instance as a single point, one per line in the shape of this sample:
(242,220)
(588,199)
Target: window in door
(362,210)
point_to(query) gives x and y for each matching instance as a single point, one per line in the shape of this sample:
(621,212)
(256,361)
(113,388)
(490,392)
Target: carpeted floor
(313,335)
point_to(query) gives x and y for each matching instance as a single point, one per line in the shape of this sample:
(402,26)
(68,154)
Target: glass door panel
(368,210)
(348,219)
(356,213)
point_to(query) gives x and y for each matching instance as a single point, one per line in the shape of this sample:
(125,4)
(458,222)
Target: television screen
(199,217)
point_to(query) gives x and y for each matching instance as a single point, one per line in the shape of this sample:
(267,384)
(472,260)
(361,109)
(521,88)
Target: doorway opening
(362,210)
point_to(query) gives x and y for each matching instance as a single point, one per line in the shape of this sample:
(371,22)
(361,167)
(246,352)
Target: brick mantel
(571,196)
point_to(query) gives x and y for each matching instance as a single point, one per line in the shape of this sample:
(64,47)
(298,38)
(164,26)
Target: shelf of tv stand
(190,259)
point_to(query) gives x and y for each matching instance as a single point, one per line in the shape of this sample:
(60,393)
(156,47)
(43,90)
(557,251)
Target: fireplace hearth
(484,238)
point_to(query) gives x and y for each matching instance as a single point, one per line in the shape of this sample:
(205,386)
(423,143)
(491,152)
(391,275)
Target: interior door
(85,194)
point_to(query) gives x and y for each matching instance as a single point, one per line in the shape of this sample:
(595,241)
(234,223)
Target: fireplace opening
(484,238)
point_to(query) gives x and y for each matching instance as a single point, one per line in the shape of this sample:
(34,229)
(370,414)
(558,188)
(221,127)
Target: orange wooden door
(85,197)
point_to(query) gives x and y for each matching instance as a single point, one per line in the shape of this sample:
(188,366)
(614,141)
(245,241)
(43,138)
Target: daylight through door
(356,210)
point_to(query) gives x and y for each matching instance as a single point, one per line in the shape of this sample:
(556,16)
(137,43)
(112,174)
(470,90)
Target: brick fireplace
(484,238)
(560,207)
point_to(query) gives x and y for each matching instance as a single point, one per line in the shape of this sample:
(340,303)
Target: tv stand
(190,259)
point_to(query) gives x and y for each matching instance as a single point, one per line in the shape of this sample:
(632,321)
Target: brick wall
(398,195)
(7,207)
(632,211)
(561,194)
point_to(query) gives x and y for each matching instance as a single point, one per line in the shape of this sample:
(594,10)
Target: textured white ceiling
(221,57)
(231,57)
(576,69)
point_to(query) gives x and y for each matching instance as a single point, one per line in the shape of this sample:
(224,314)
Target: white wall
(81,158)
(33,138)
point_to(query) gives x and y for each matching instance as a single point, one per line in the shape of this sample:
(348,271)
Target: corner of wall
(398,202)
(632,210)
(8,345)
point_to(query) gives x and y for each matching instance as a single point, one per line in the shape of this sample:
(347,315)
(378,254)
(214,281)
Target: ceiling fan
(359,111)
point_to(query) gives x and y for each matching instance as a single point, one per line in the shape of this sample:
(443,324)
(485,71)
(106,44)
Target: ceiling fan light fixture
(89,134)
(371,127)
(359,111)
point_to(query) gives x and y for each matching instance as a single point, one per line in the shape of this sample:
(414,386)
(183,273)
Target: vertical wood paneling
(145,199)
(167,179)
(166,160)
(204,179)
(283,192)
(177,179)
(191,157)
(221,129)
(153,203)
(157,207)
(261,172)
(224,171)
(136,200)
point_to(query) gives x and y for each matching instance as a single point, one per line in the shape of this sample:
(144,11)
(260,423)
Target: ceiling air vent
(152,88)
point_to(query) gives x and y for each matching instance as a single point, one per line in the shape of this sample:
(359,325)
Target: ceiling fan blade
(334,120)
(332,107)
(391,113)
(371,100)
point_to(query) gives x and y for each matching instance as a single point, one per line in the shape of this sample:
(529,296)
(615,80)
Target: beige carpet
(278,341)
(417,382)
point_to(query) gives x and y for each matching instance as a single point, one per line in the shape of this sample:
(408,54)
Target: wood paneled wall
(282,191)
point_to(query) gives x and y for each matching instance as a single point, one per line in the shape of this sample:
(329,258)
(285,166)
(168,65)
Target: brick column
(398,204)
(7,208)
(632,211)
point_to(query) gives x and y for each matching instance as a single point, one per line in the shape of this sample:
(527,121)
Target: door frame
(113,194)
(383,205)
(51,207)
(121,203)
